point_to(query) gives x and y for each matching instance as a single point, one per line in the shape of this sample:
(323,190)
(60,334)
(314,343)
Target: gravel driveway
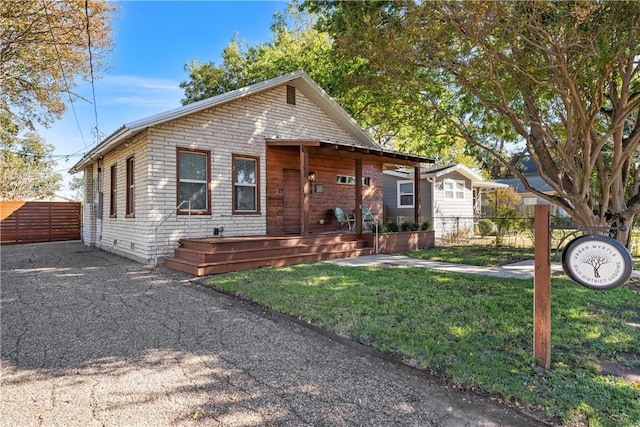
(89,338)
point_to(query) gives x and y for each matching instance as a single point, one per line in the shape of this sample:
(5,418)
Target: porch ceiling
(349,151)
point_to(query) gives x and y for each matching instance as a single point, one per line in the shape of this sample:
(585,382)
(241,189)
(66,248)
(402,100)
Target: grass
(489,256)
(473,331)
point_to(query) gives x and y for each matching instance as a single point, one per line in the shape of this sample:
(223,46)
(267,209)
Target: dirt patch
(631,375)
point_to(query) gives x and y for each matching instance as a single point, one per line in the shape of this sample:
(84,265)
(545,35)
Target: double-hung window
(453,189)
(405,194)
(113,205)
(245,184)
(193,180)
(130,203)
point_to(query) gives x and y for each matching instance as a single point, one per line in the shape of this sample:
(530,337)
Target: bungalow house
(273,159)
(529,199)
(452,197)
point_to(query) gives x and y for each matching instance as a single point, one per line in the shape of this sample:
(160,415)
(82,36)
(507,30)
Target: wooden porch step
(202,269)
(230,244)
(260,251)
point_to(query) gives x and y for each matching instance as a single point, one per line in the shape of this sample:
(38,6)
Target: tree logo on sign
(596,261)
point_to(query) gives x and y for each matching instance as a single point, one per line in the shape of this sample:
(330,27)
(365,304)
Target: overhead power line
(64,76)
(93,88)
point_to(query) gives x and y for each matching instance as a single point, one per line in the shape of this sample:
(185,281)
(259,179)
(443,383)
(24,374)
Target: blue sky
(153,42)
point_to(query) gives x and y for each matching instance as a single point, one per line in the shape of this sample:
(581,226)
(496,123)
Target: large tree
(559,78)
(297,44)
(294,45)
(27,170)
(44,46)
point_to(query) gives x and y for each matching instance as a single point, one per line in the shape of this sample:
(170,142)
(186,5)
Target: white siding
(453,216)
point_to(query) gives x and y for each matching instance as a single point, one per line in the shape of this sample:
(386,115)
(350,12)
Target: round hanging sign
(597,262)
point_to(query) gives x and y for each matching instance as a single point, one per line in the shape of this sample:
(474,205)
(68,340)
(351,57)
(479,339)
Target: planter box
(389,243)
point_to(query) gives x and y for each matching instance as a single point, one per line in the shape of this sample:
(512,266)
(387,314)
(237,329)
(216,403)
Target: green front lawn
(489,256)
(473,331)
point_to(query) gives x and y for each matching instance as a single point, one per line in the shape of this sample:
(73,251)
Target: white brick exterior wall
(89,214)
(122,235)
(240,128)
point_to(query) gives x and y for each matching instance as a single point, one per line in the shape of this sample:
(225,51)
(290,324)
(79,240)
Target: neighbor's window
(405,194)
(113,192)
(193,180)
(453,189)
(130,212)
(245,184)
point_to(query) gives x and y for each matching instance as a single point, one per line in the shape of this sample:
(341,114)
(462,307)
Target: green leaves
(26,168)
(560,78)
(44,47)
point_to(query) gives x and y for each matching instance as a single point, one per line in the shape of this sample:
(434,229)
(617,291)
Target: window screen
(245,183)
(192,179)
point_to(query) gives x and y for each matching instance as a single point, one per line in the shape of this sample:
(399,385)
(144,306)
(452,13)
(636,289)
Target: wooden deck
(205,256)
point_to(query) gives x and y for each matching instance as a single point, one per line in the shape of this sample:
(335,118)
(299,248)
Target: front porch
(205,256)
(305,181)
(214,255)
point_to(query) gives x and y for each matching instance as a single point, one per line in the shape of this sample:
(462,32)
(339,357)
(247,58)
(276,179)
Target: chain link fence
(516,232)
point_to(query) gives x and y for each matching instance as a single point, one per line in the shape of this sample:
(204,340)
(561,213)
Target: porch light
(311,177)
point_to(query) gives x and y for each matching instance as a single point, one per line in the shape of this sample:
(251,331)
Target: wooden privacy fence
(31,222)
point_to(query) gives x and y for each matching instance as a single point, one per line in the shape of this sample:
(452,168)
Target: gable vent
(291,95)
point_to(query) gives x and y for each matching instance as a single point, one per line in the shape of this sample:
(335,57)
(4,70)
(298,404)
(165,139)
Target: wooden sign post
(542,287)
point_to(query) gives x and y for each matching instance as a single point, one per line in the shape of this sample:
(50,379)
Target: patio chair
(344,218)
(367,218)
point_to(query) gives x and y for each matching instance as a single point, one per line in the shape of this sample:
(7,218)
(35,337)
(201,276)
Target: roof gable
(442,171)
(299,79)
(439,171)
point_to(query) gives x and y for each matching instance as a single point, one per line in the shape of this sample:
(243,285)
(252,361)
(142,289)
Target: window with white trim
(193,180)
(453,189)
(245,184)
(405,194)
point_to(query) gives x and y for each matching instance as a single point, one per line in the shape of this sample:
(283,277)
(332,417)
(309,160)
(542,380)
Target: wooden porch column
(358,195)
(305,190)
(417,212)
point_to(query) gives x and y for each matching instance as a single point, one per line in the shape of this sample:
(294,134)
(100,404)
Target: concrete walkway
(93,339)
(520,270)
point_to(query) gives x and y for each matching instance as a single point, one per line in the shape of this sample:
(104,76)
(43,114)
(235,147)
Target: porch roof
(348,150)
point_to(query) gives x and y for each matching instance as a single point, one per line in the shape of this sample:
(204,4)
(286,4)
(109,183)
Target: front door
(292,206)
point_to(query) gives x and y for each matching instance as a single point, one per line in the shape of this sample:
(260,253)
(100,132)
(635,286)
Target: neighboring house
(452,196)
(271,159)
(528,199)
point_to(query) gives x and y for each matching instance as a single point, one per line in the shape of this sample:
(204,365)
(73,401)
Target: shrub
(485,227)
(391,227)
(394,226)
(410,226)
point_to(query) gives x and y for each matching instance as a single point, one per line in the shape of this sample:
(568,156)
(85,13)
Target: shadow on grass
(473,331)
